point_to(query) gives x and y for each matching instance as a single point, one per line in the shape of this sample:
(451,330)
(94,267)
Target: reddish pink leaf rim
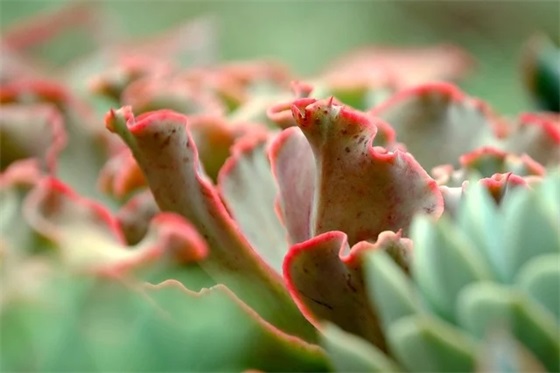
(325,278)
(533,167)
(165,150)
(173,233)
(361,190)
(499,125)
(549,122)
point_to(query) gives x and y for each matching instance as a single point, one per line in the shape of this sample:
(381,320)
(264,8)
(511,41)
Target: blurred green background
(308,34)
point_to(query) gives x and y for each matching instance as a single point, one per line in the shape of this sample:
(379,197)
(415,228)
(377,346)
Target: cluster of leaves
(372,218)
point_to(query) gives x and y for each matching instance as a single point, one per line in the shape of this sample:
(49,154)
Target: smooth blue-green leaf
(501,353)
(389,289)
(349,353)
(444,262)
(484,307)
(426,344)
(540,279)
(479,220)
(529,230)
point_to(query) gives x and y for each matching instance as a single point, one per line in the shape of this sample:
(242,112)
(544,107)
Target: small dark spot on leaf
(166,142)
(347,149)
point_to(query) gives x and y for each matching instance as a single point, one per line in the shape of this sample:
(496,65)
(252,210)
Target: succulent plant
(482,289)
(230,217)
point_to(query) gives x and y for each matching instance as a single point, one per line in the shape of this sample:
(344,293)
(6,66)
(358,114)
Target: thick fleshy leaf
(83,324)
(501,185)
(488,161)
(360,190)
(17,239)
(248,190)
(90,240)
(325,277)
(540,279)
(121,176)
(538,135)
(440,115)
(349,353)
(425,344)
(390,291)
(293,168)
(135,215)
(281,113)
(88,146)
(214,136)
(169,92)
(479,220)
(444,262)
(483,307)
(529,231)
(31,131)
(501,353)
(548,190)
(164,149)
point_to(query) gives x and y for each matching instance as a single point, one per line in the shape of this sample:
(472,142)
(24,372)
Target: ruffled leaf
(164,149)
(439,115)
(538,135)
(325,277)
(487,161)
(89,237)
(31,131)
(248,189)
(294,168)
(360,190)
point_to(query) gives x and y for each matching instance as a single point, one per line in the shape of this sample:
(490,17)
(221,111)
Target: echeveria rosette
(164,148)
(484,285)
(337,191)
